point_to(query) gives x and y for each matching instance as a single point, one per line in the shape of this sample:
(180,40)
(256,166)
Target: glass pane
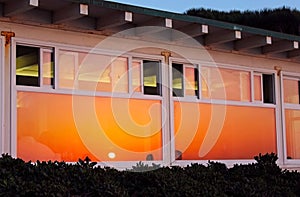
(257,88)
(177,79)
(151,77)
(95,72)
(268,88)
(27,65)
(51,127)
(225,84)
(102,73)
(292,123)
(120,74)
(204,83)
(48,68)
(190,81)
(223,131)
(136,76)
(67,63)
(291,91)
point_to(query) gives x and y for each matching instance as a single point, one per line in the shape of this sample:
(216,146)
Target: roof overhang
(107,18)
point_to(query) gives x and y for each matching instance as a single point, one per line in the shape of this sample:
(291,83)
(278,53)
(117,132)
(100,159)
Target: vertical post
(166,99)
(280,119)
(6,127)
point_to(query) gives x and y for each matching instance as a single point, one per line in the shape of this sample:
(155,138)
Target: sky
(180,6)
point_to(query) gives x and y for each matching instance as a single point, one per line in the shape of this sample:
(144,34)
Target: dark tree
(283,19)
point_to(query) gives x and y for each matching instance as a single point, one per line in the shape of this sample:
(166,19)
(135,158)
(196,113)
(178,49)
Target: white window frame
(251,103)
(165,75)
(290,163)
(57,90)
(2,51)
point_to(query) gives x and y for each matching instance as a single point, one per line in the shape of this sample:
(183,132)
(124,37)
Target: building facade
(122,84)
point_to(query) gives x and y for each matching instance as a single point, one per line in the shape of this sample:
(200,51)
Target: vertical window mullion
(299,90)
(40,67)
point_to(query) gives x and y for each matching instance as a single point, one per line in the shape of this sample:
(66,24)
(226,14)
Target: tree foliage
(283,19)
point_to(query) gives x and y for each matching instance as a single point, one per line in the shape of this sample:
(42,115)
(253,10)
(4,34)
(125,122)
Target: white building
(122,84)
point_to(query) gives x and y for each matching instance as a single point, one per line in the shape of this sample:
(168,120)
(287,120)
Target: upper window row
(85,71)
(222,83)
(97,72)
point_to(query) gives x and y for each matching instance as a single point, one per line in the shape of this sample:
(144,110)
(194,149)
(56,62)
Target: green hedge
(85,178)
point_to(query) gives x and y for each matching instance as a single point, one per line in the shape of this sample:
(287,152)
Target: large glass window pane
(238,132)
(50,128)
(292,123)
(27,66)
(291,91)
(151,77)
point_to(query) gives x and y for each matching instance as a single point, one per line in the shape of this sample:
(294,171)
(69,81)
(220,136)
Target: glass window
(268,88)
(177,79)
(67,63)
(291,91)
(227,84)
(292,123)
(257,88)
(48,67)
(93,72)
(191,81)
(151,77)
(136,76)
(204,83)
(27,66)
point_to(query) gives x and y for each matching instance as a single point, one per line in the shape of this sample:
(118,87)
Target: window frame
(287,106)
(41,50)
(185,65)
(295,78)
(159,91)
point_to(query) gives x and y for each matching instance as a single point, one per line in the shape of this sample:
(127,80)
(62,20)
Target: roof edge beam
(219,38)
(252,42)
(194,30)
(12,8)
(293,54)
(72,12)
(280,46)
(111,22)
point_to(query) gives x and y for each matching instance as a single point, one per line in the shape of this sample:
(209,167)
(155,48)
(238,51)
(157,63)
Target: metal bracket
(8,35)
(278,69)
(167,55)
